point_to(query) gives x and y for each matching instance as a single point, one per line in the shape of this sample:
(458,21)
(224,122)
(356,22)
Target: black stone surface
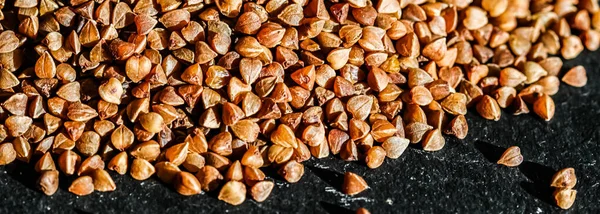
(461,178)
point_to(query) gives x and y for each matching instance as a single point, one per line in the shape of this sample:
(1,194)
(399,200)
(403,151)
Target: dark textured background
(461,178)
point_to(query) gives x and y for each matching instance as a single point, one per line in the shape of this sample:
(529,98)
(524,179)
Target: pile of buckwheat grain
(206,94)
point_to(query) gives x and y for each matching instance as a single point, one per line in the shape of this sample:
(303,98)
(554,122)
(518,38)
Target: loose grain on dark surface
(229,99)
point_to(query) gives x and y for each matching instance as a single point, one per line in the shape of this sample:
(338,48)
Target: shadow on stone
(64,182)
(213,194)
(332,178)
(334,209)
(537,173)
(539,191)
(79,211)
(271,172)
(23,173)
(539,180)
(491,152)
(416,146)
